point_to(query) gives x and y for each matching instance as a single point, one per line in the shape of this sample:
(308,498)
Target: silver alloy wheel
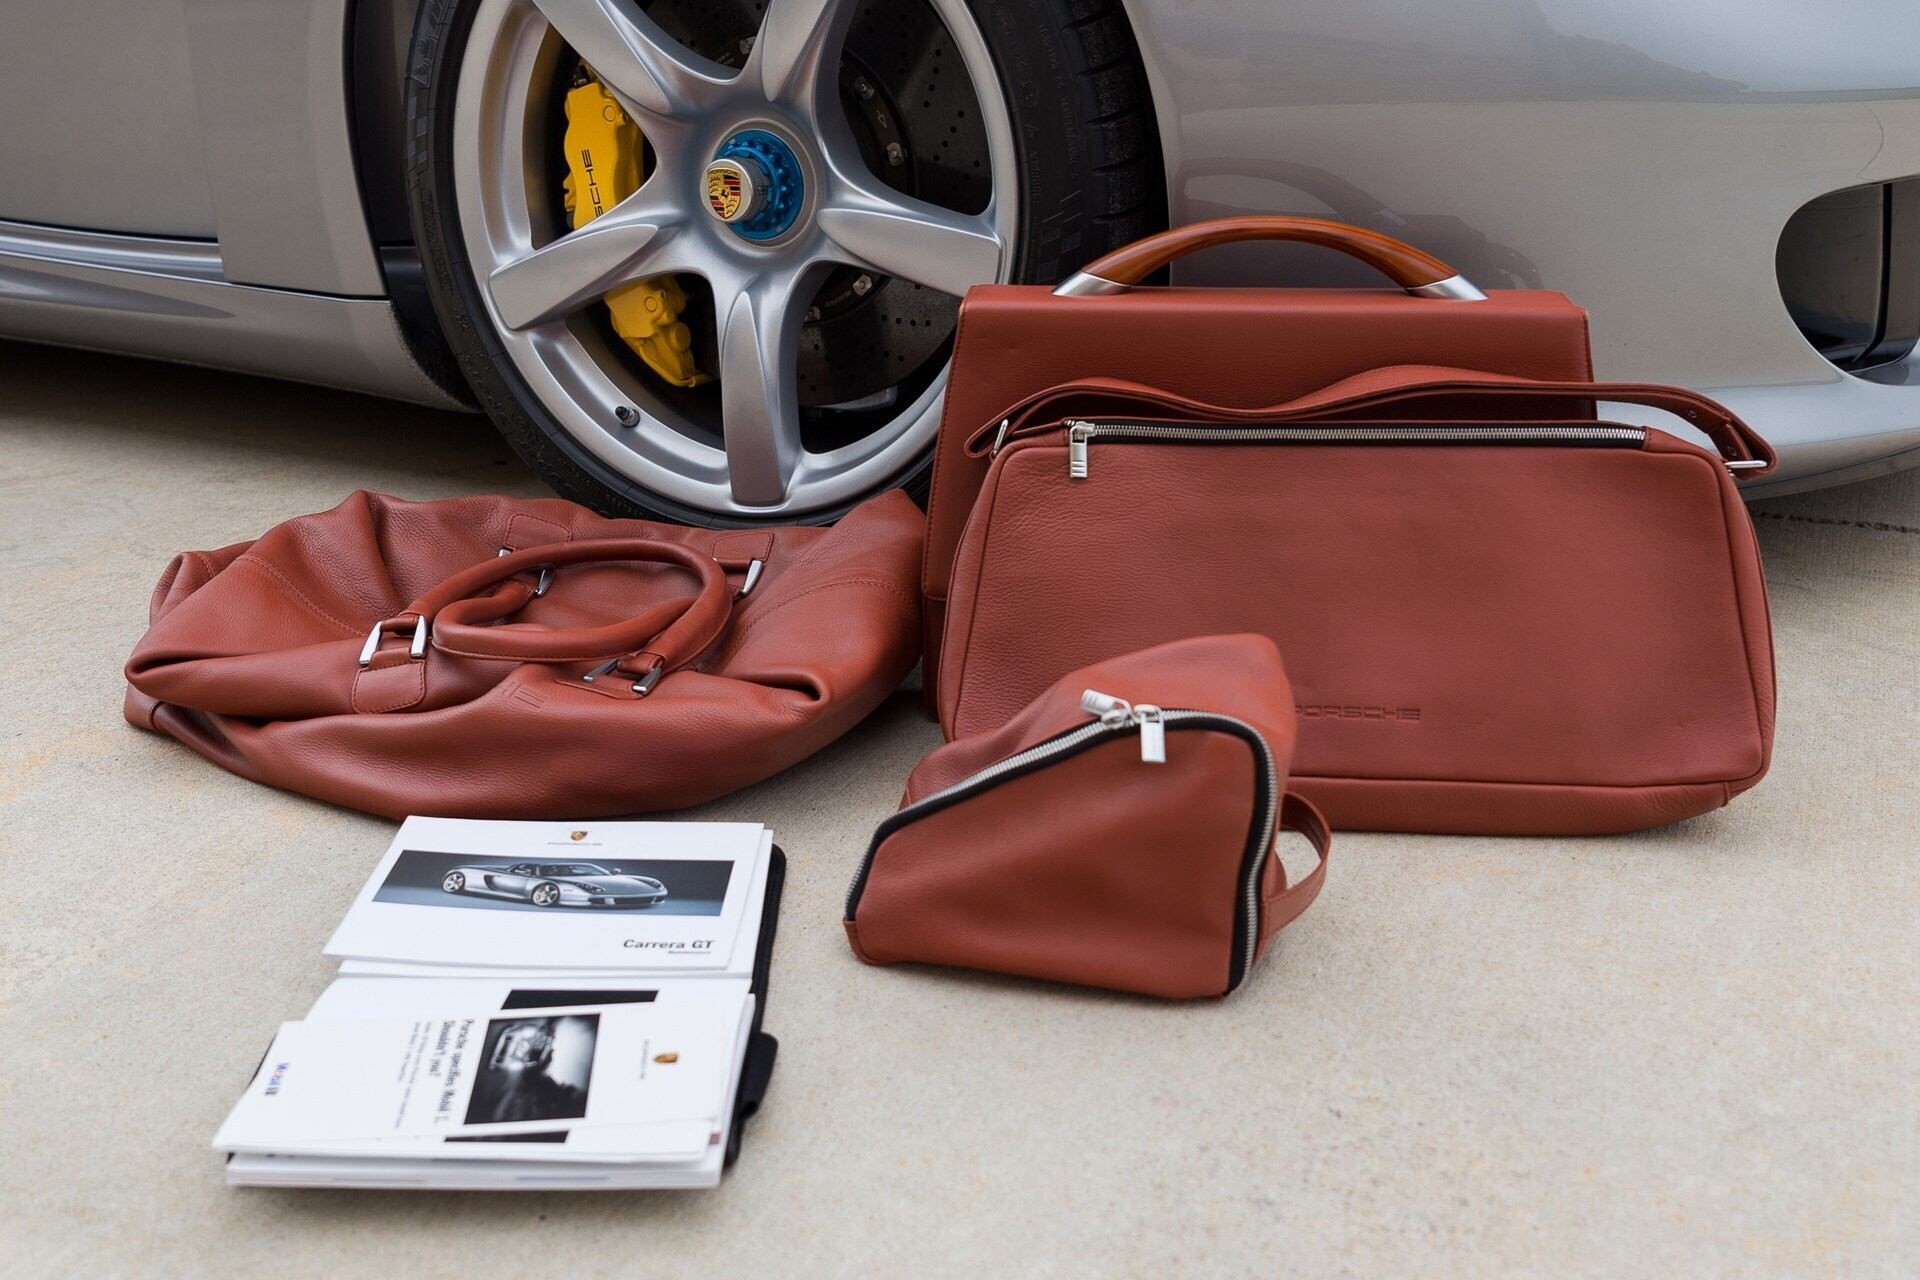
(533,282)
(454,882)
(545,895)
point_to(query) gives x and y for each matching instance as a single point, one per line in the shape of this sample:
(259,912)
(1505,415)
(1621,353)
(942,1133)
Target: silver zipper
(1116,715)
(1081,434)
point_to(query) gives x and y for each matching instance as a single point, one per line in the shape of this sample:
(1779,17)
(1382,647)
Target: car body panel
(180,183)
(191,119)
(269,77)
(102,126)
(1638,155)
(169,300)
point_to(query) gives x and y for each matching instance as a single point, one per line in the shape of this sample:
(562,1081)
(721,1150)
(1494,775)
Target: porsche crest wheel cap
(736,189)
(755,185)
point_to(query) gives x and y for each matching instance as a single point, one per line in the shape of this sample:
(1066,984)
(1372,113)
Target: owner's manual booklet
(527,1004)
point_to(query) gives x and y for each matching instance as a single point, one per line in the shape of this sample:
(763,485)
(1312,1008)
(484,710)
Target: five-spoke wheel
(816,186)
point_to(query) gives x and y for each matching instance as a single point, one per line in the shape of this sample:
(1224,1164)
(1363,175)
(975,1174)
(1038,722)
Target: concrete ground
(1691,1052)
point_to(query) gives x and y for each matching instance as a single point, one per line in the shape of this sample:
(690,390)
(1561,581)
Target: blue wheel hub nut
(754,185)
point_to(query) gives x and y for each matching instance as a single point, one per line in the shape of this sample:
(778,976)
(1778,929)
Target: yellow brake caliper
(604,153)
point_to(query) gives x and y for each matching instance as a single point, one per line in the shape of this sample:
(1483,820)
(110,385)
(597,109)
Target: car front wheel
(545,895)
(702,259)
(454,883)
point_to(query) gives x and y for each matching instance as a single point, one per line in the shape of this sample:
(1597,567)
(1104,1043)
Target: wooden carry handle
(1417,272)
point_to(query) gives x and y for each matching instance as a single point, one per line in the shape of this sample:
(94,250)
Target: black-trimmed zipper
(1081,433)
(1106,728)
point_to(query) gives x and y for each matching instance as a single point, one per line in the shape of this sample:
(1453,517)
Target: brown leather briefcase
(1232,347)
(505,658)
(1553,626)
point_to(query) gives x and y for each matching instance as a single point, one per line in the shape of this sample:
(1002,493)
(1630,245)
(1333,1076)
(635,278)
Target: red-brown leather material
(1495,808)
(1228,346)
(1098,869)
(1423,391)
(1241,675)
(1402,263)
(1025,881)
(1282,903)
(1482,638)
(252,655)
(679,628)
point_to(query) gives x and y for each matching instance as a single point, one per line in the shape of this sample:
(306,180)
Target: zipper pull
(1153,734)
(1118,713)
(1078,434)
(999,438)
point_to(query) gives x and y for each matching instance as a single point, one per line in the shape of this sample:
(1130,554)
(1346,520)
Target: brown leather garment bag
(506,658)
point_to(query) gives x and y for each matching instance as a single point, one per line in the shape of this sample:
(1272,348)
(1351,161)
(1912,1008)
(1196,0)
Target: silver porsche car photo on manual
(556,884)
(466,882)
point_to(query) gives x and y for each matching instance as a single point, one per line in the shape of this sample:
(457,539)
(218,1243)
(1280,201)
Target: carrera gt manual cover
(607,896)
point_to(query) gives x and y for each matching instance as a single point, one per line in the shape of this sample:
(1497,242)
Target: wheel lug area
(755,185)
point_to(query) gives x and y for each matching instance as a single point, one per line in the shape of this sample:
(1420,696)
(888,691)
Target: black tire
(1086,188)
(553,898)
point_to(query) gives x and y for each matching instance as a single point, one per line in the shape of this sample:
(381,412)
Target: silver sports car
(701,258)
(556,884)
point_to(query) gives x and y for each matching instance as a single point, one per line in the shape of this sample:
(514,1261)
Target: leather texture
(1099,868)
(1482,638)
(1243,347)
(1406,266)
(1424,391)
(253,654)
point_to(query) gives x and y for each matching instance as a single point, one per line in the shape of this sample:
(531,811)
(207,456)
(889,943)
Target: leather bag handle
(1297,813)
(676,632)
(1744,450)
(1419,273)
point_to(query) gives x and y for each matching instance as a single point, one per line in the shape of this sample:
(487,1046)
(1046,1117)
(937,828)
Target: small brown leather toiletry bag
(1119,832)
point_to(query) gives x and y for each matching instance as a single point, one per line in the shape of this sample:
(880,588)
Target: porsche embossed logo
(729,190)
(666,1057)
(1330,711)
(576,835)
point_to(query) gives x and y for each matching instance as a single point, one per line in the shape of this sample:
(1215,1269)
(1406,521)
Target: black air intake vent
(1849,270)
